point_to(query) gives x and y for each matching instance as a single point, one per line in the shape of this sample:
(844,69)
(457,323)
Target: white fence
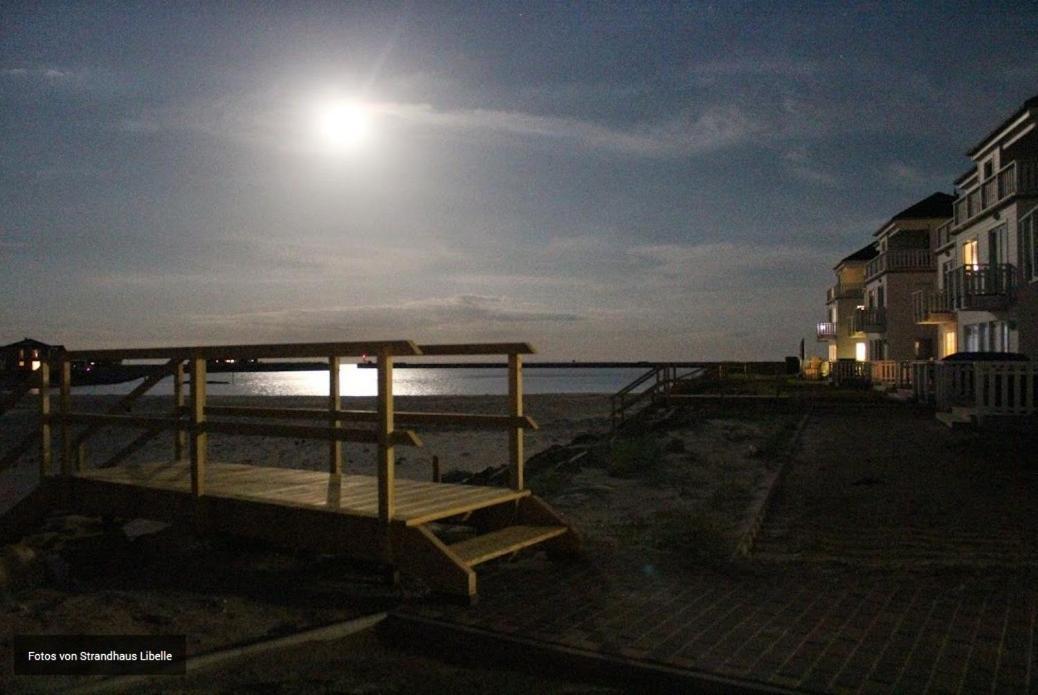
(989,388)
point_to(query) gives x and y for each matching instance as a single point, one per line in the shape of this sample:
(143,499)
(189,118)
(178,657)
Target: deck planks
(417,502)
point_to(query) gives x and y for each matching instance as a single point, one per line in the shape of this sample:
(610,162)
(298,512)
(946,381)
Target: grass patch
(634,457)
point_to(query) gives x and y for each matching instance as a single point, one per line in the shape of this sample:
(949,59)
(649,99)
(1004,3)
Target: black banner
(92,655)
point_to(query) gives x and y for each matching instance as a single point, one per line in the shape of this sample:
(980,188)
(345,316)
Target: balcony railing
(844,290)
(901,259)
(1020,176)
(873,320)
(826,331)
(982,286)
(932,306)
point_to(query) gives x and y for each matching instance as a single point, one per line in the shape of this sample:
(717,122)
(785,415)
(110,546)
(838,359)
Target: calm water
(406,382)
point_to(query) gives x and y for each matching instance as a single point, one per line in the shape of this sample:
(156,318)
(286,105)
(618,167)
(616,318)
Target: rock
(753,450)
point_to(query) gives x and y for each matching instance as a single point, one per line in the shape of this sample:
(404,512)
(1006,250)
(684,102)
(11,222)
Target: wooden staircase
(426,550)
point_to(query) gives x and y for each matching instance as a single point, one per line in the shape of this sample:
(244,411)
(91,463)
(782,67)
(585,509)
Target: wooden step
(503,542)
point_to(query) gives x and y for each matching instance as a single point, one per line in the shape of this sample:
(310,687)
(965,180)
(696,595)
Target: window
(997,251)
(969,254)
(989,169)
(1028,245)
(859,352)
(832,352)
(949,343)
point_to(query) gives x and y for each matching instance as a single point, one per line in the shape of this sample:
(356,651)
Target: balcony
(1017,177)
(914,260)
(932,306)
(985,287)
(826,331)
(845,290)
(872,320)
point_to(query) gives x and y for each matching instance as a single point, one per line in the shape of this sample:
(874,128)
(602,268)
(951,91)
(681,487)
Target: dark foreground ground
(895,556)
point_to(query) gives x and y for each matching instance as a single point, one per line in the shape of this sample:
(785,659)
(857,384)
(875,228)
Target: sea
(410,381)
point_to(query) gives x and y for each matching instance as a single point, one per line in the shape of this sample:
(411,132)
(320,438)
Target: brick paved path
(812,629)
(892,491)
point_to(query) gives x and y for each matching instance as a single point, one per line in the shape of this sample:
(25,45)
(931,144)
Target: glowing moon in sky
(344,125)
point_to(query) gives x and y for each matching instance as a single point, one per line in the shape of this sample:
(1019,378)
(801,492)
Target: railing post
(515,434)
(334,405)
(199,439)
(386,462)
(64,406)
(179,435)
(44,385)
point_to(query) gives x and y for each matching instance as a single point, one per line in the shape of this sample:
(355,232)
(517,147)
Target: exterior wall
(1021,315)
(841,310)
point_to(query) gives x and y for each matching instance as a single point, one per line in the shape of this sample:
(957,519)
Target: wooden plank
(471,420)
(44,386)
(515,434)
(506,541)
(386,458)
(199,437)
(179,405)
(442,512)
(476,349)
(64,406)
(399,437)
(258,351)
(534,510)
(334,406)
(424,555)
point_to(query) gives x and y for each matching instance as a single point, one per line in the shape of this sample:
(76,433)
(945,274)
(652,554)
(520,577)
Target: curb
(201,662)
(453,641)
(764,503)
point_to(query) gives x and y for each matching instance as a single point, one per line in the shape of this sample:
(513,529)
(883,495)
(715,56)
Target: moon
(343,125)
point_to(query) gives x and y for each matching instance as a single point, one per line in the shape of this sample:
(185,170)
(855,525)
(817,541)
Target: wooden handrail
(403,417)
(266,350)
(150,422)
(477,349)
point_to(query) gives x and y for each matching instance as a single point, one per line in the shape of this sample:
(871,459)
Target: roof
(865,253)
(30,343)
(936,205)
(1031,103)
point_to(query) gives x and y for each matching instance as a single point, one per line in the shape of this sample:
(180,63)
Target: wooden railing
(943,234)
(869,320)
(968,284)
(901,259)
(826,330)
(192,419)
(1005,388)
(932,306)
(661,380)
(988,388)
(891,373)
(849,372)
(1020,176)
(844,290)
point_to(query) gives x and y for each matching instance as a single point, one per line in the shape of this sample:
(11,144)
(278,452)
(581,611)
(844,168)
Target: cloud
(51,74)
(689,132)
(458,316)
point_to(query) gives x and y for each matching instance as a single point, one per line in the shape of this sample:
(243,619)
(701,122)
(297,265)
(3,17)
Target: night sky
(621,181)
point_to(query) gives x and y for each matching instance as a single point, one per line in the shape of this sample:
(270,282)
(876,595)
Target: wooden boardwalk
(417,502)
(374,518)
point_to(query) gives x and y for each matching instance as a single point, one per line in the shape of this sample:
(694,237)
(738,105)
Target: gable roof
(936,205)
(1031,103)
(866,253)
(30,343)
